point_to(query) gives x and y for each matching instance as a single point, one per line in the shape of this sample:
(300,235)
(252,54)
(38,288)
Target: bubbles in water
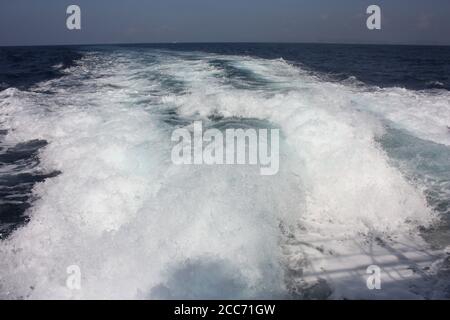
(140,227)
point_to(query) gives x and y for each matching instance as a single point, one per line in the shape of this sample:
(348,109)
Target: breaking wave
(347,195)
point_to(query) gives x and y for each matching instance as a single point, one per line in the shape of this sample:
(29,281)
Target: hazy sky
(35,22)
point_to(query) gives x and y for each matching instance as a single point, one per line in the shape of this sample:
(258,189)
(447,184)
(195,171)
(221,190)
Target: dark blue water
(21,68)
(411,67)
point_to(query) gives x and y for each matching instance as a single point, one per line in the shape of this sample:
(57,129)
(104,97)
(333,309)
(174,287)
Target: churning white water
(139,226)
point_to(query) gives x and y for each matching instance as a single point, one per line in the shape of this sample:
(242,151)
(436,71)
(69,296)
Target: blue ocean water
(411,67)
(366,158)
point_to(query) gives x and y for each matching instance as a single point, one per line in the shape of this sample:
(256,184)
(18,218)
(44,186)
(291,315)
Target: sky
(43,22)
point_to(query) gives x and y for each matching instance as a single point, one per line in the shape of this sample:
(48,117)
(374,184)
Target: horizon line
(226,42)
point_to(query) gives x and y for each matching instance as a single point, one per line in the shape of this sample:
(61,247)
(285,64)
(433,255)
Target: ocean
(86,177)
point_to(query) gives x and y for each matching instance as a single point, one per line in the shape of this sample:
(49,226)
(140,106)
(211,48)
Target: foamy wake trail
(140,227)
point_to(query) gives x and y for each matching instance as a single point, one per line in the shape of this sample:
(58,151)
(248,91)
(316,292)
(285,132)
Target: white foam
(140,227)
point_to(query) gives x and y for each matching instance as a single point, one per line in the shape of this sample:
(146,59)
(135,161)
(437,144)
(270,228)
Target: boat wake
(364,180)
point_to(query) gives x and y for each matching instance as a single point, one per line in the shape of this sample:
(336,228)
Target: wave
(140,227)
